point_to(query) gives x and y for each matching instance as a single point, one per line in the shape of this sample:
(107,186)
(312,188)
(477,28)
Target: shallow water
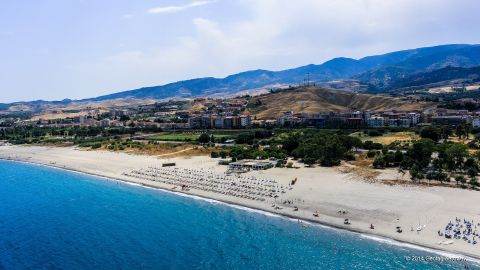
(54,219)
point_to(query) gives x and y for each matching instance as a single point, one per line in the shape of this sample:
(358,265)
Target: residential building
(376,122)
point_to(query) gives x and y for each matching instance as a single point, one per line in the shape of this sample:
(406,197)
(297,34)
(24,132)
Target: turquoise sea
(55,219)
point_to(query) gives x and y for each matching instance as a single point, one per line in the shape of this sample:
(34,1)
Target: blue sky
(55,49)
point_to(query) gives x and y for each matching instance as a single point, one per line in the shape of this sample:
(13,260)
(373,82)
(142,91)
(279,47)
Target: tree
(430,132)
(406,163)
(214,155)
(204,138)
(455,155)
(369,145)
(472,172)
(124,118)
(375,133)
(421,151)
(379,163)
(445,132)
(463,130)
(245,138)
(309,161)
(333,152)
(473,182)
(437,175)
(398,156)
(371,153)
(460,178)
(415,172)
(470,163)
(389,158)
(352,142)
(290,144)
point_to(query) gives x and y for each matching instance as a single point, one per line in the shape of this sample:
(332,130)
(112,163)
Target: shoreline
(378,237)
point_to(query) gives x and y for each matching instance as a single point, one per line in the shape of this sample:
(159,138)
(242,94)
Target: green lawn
(182,137)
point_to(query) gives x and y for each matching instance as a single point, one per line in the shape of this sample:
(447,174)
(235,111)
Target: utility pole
(306,80)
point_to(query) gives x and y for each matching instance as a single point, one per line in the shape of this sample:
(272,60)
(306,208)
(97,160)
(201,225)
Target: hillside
(440,75)
(378,71)
(315,100)
(421,61)
(381,73)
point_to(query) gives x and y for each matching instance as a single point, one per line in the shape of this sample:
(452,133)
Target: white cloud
(128,16)
(102,56)
(279,34)
(173,9)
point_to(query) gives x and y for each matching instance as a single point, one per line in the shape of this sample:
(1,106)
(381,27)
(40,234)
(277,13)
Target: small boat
(346,222)
(315,214)
(295,208)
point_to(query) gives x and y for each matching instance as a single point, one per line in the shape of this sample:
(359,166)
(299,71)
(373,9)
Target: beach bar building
(249,164)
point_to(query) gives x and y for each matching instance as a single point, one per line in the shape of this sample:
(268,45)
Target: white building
(402,122)
(105,122)
(476,123)
(245,121)
(414,118)
(375,122)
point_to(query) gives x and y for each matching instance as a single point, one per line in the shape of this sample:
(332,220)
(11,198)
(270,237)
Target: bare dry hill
(316,100)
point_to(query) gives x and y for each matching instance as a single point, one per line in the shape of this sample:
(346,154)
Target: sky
(56,49)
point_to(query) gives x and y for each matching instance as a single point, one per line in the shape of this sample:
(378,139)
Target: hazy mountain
(333,69)
(378,71)
(421,61)
(440,75)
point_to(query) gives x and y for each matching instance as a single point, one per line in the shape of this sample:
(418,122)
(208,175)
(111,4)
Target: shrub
(369,145)
(371,153)
(374,133)
(96,145)
(204,138)
(379,163)
(473,182)
(349,156)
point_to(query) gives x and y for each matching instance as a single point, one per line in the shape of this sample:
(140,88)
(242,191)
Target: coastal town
(269,135)
(221,113)
(273,161)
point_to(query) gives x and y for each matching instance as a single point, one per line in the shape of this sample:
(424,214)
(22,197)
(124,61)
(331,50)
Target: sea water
(55,219)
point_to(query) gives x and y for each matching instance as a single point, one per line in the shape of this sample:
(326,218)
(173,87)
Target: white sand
(323,189)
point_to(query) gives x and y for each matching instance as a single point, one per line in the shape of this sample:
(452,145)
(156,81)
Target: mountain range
(379,72)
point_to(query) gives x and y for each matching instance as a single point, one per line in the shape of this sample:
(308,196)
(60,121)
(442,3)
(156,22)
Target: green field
(182,137)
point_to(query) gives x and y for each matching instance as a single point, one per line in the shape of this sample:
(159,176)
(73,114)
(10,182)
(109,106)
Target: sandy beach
(326,190)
